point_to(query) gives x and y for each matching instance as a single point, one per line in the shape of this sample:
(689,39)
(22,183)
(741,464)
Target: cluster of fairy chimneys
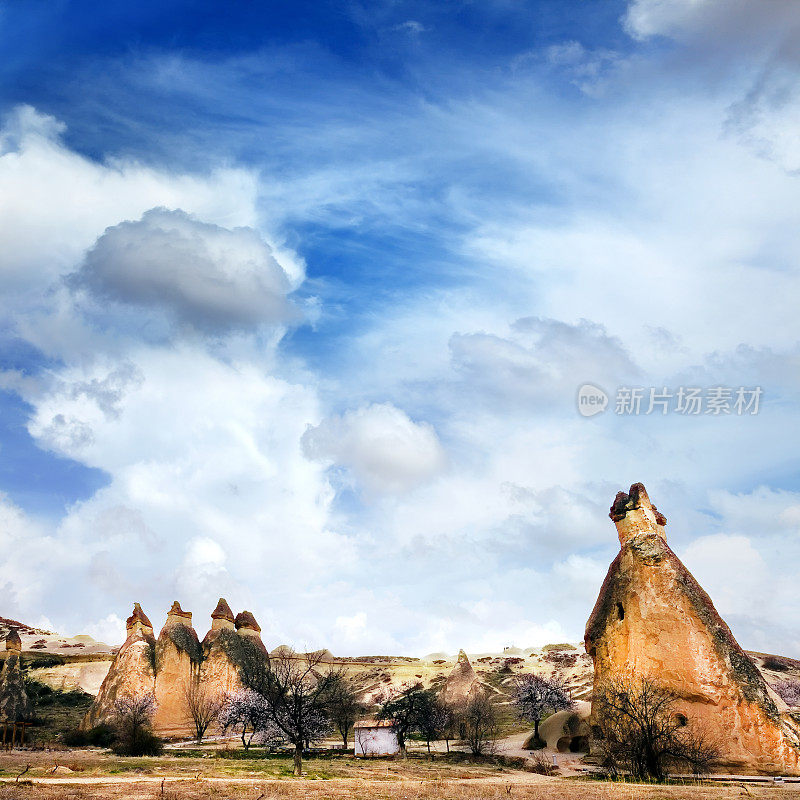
(221,618)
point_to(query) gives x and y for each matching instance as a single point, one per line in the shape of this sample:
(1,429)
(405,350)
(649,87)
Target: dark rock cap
(178,611)
(222,611)
(138,616)
(13,642)
(635,498)
(244,619)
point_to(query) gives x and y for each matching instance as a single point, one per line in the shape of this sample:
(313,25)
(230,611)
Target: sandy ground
(93,774)
(526,787)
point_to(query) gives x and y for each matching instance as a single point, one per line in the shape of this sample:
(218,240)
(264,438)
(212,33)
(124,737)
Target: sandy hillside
(81,662)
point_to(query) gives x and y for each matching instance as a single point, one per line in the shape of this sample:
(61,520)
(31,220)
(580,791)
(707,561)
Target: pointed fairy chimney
(246,624)
(652,619)
(178,657)
(460,682)
(222,616)
(177,616)
(13,642)
(634,514)
(132,672)
(138,622)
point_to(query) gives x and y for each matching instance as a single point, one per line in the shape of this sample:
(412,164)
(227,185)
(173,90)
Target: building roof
(374,723)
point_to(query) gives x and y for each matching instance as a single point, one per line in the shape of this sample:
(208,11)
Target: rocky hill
(80,662)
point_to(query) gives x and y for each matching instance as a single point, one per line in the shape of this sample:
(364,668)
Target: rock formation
(653,619)
(176,664)
(14,703)
(178,659)
(461,682)
(132,672)
(567,731)
(231,647)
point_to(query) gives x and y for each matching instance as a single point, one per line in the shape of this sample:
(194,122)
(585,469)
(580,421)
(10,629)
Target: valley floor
(94,774)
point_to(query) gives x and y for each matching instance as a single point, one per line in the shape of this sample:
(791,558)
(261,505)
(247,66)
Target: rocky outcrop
(176,664)
(178,657)
(461,682)
(653,619)
(14,703)
(567,731)
(132,673)
(231,649)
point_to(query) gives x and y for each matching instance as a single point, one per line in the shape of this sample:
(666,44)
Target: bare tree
(344,703)
(535,697)
(247,713)
(430,717)
(202,707)
(642,731)
(449,717)
(402,709)
(132,716)
(480,724)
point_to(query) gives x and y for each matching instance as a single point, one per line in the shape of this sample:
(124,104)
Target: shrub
(775,664)
(132,717)
(146,743)
(102,735)
(541,765)
(75,738)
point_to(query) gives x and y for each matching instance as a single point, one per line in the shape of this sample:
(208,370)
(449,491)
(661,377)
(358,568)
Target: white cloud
(208,276)
(411,26)
(109,630)
(352,627)
(541,360)
(763,512)
(646,18)
(203,571)
(44,235)
(742,22)
(208,487)
(386,450)
(638,212)
(730,569)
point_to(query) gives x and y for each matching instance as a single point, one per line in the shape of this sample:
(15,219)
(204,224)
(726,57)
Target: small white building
(375,738)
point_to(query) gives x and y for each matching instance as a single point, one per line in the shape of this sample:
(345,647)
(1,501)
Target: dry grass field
(92,774)
(531,788)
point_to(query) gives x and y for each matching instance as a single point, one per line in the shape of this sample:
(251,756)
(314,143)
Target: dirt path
(114,780)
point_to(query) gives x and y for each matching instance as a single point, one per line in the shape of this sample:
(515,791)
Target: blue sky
(297,301)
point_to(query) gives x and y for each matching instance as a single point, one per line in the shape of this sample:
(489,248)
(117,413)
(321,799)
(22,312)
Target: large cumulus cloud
(55,202)
(208,276)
